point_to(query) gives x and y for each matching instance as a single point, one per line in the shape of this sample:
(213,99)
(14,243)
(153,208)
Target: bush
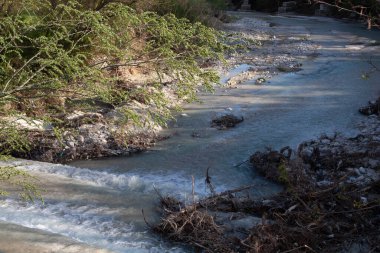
(50,57)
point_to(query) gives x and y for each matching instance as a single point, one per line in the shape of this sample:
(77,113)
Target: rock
(80,139)
(71,144)
(289,68)
(26,123)
(195,135)
(371,108)
(362,170)
(226,121)
(260,80)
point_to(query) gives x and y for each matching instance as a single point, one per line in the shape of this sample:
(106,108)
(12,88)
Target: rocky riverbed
(269,51)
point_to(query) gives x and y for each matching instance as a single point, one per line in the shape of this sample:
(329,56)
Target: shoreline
(330,202)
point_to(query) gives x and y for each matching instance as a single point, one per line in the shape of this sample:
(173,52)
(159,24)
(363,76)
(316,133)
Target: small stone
(357,171)
(362,170)
(71,144)
(81,138)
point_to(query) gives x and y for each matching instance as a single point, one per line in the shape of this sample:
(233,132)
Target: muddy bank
(330,201)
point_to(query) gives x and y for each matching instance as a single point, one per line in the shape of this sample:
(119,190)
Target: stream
(99,202)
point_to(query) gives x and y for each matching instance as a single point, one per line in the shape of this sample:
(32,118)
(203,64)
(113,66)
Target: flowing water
(99,202)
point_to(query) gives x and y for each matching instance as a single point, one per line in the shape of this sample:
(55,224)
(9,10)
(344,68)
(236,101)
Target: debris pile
(330,202)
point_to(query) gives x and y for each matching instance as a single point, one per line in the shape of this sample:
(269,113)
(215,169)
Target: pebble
(71,144)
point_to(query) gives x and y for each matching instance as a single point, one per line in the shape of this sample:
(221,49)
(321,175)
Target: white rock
(71,144)
(23,122)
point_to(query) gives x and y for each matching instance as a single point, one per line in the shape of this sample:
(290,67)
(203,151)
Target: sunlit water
(99,202)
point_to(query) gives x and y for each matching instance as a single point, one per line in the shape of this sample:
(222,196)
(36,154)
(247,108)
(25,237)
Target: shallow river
(99,202)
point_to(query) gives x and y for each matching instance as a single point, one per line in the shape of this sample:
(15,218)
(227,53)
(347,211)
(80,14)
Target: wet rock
(195,135)
(260,80)
(289,68)
(373,107)
(226,121)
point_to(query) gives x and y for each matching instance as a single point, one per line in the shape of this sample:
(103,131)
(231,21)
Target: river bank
(87,135)
(330,202)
